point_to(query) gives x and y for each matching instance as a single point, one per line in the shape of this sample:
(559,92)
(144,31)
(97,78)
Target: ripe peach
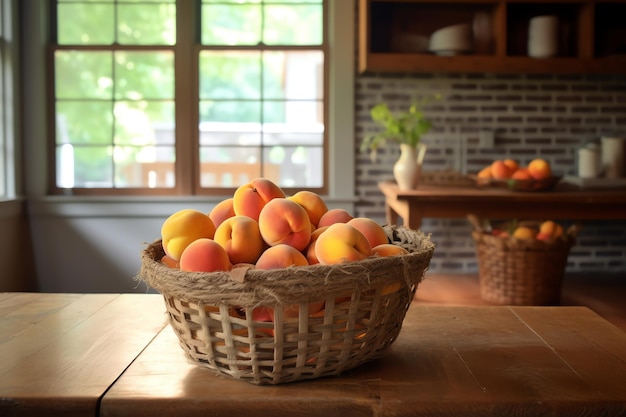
(336,215)
(280,256)
(524,232)
(250,198)
(310,250)
(169,261)
(222,211)
(241,237)
(485,173)
(182,228)
(512,164)
(312,203)
(500,171)
(341,243)
(550,229)
(204,255)
(539,169)
(374,232)
(284,221)
(522,174)
(388,249)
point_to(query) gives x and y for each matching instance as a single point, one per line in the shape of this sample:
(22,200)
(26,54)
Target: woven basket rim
(302,283)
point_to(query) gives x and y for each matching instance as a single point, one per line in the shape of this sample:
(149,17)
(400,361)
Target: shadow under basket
(298,323)
(520,271)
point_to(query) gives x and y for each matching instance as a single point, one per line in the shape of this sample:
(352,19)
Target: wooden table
(562,203)
(110,355)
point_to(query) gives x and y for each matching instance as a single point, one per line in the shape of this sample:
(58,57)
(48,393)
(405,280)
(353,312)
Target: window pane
(144,123)
(147,166)
(293,74)
(279,27)
(300,166)
(86,24)
(230,133)
(84,122)
(229,75)
(235,24)
(84,166)
(146,24)
(229,166)
(83,74)
(297,116)
(144,75)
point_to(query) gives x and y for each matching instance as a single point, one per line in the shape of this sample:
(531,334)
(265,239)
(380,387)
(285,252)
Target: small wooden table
(111,355)
(457,202)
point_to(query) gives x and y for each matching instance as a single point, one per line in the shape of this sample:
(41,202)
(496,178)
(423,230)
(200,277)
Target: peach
(241,237)
(310,250)
(336,215)
(204,255)
(484,173)
(550,229)
(312,203)
(283,221)
(522,174)
(511,164)
(249,199)
(524,232)
(539,169)
(169,261)
(388,249)
(500,171)
(222,211)
(280,256)
(341,243)
(182,228)
(374,232)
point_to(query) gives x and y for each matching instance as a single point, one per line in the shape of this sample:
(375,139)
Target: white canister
(589,162)
(543,36)
(613,157)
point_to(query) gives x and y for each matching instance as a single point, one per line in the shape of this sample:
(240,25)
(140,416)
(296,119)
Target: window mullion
(185,67)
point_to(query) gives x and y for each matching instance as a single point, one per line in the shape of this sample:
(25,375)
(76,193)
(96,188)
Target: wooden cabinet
(397,36)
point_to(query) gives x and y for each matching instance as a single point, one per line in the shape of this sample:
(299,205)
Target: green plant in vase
(405,128)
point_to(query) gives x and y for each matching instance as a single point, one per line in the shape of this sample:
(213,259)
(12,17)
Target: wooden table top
(65,354)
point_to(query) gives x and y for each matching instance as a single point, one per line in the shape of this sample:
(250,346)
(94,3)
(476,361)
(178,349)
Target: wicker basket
(521,271)
(219,317)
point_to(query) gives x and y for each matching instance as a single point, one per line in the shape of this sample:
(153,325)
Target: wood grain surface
(453,361)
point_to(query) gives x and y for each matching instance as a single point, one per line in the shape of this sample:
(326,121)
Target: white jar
(589,162)
(613,157)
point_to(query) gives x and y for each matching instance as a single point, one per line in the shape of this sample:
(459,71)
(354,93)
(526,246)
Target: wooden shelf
(394,36)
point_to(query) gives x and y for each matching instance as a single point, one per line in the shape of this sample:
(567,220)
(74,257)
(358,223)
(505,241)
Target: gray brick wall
(548,116)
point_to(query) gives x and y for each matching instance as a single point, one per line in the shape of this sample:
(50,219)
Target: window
(188,97)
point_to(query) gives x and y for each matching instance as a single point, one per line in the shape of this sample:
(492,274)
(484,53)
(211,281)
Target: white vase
(408,168)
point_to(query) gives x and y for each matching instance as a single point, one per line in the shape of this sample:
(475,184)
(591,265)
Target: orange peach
(169,261)
(550,229)
(484,173)
(241,237)
(511,164)
(522,174)
(182,228)
(524,232)
(336,215)
(283,221)
(310,250)
(500,171)
(204,255)
(388,249)
(341,243)
(539,169)
(374,232)
(312,203)
(222,211)
(280,256)
(249,199)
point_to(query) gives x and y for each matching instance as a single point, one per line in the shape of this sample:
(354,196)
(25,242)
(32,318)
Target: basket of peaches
(510,174)
(272,288)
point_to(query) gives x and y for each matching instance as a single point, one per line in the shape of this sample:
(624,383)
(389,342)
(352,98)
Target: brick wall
(546,116)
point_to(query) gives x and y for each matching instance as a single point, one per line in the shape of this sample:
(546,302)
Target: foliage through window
(158,96)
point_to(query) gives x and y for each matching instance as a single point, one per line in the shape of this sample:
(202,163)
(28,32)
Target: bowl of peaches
(272,287)
(509,174)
